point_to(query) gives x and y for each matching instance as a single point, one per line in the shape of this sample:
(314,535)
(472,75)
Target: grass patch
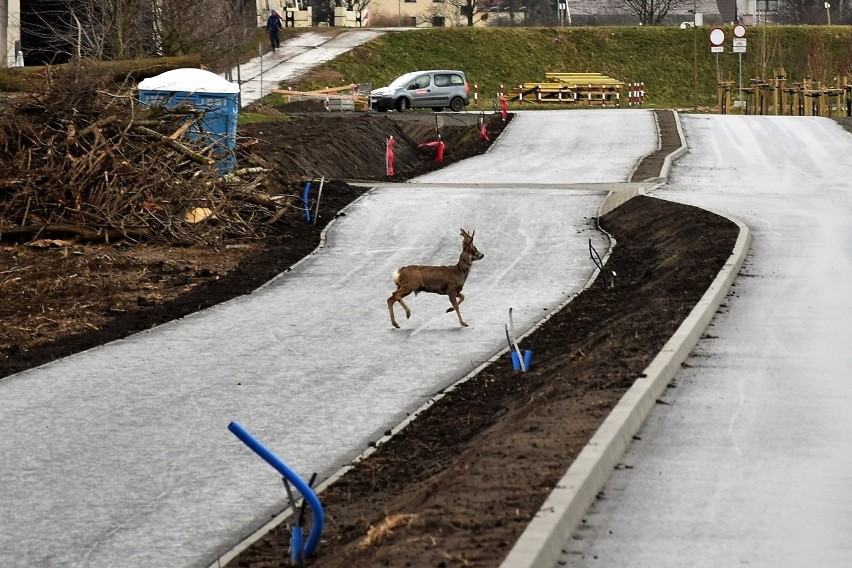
(675,65)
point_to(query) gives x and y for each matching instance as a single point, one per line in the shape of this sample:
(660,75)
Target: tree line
(55,31)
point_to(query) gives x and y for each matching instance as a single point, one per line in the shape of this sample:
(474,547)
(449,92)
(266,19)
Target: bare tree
(470,10)
(228,33)
(127,29)
(799,11)
(322,10)
(438,13)
(68,29)
(767,54)
(813,12)
(540,13)
(652,12)
(513,10)
(355,5)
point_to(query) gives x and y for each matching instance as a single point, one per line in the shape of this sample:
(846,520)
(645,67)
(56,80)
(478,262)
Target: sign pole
(718,72)
(694,69)
(739,49)
(740,91)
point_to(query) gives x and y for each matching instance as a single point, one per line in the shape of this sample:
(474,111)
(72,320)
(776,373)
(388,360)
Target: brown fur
(444,280)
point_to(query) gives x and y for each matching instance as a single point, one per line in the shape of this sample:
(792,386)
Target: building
(10,33)
(490,12)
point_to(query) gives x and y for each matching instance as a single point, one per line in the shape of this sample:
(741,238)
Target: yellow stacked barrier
(578,88)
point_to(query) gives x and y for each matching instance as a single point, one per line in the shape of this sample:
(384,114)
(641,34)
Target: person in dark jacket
(273,26)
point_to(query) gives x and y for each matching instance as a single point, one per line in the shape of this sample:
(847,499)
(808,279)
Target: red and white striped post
(389,156)
(483,131)
(475,95)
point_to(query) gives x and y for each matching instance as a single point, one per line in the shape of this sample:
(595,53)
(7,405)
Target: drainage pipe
(317,515)
(305,197)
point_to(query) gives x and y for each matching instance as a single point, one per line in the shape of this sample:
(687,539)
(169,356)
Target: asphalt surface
(265,73)
(746,462)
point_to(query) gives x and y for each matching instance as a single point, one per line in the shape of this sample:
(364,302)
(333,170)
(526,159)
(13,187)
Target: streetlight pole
(399,13)
(694,56)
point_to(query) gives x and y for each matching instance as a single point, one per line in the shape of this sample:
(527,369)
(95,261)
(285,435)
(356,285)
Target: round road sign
(717,36)
(739,30)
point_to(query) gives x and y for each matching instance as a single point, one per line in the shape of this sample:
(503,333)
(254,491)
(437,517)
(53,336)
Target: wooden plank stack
(578,88)
(347,97)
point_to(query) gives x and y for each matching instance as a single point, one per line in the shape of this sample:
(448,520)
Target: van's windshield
(403,81)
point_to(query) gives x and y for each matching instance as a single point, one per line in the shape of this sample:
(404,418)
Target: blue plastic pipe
(296,552)
(305,196)
(317,515)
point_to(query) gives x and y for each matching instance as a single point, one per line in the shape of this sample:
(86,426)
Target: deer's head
(468,246)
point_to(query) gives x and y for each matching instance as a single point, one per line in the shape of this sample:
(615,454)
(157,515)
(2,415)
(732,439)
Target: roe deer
(447,280)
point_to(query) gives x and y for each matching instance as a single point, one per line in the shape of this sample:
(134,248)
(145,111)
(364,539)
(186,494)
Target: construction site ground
(459,484)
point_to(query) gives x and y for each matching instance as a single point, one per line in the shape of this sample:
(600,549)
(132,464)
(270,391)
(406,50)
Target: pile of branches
(81,159)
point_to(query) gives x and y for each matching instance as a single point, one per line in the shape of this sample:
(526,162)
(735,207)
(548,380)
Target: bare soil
(460,483)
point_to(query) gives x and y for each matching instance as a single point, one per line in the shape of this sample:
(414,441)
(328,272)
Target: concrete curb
(667,163)
(542,541)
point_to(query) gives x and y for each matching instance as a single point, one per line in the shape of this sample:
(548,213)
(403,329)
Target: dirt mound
(353,146)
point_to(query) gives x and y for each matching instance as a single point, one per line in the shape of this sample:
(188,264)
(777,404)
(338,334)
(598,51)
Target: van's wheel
(402,104)
(457,104)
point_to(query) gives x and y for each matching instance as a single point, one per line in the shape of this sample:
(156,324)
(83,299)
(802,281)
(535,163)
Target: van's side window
(421,82)
(442,80)
(457,80)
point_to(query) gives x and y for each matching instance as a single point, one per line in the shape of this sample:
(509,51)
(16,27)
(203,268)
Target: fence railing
(777,96)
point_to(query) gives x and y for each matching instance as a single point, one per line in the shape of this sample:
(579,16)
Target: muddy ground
(460,483)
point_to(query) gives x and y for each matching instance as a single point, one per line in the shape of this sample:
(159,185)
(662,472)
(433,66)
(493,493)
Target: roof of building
(596,7)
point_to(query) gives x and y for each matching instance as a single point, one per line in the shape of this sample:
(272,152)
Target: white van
(435,89)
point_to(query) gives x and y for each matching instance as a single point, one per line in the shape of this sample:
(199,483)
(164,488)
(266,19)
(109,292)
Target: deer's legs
(397,297)
(460,296)
(455,304)
(405,307)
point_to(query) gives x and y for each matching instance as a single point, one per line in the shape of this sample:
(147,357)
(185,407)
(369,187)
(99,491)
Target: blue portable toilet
(205,91)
